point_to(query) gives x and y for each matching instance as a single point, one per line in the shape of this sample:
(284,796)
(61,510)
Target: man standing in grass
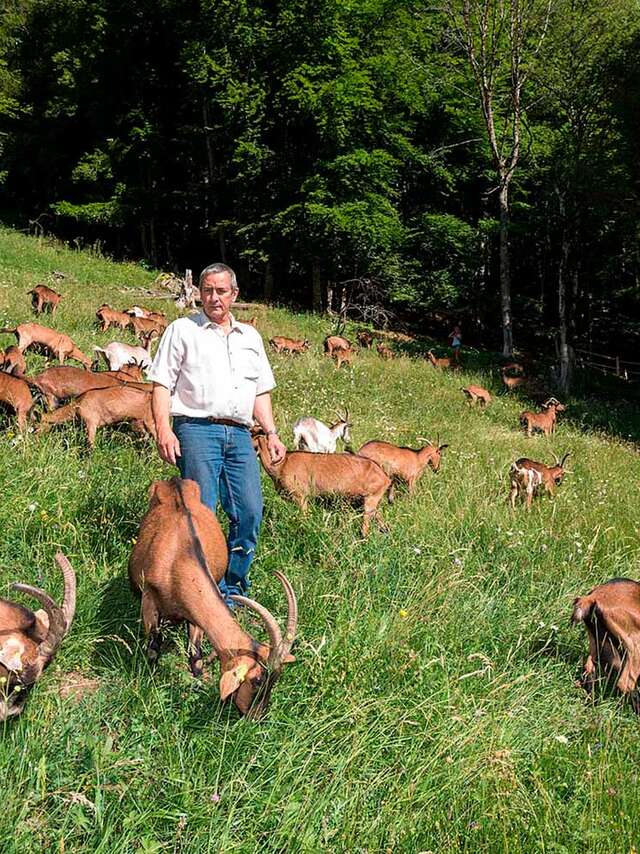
(212,375)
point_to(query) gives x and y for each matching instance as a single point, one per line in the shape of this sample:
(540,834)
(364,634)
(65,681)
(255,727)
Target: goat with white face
(309,434)
(117,354)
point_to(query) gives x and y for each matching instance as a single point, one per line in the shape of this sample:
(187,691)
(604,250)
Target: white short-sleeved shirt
(210,374)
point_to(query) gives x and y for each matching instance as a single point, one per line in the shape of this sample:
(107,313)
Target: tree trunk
(563,269)
(316,285)
(505,272)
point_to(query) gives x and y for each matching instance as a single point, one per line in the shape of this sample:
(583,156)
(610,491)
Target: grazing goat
(281,344)
(29,640)
(611,615)
(12,361)
(309,434)
(145,325)
(112,317)
(139,311)
(365,339)
(60,383)
(43,298)
(477,394)
(529,477)
(385,352)
(15,393)
(253,321)
(403,464)
(302,475)
(513,367)
(105,406)
(117,355)
(332,343)
(49,340)
(544,421)
(344,355)
(179,555)
(443,361)
(527,384)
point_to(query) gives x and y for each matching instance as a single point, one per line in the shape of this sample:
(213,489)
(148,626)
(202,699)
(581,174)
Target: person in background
(455,336)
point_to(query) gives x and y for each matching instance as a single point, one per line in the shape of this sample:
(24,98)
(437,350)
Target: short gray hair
(218,267)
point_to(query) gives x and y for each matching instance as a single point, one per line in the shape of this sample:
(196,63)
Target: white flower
(562,739)
(31,507)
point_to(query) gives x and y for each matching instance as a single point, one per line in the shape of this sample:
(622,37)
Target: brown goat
(44,298)
(402,464)
(112,317)
(442,362)
(49,340)
(105,406)
(281,344)
(253,321)
(145,325)
(385,352)
(344,355)
(477,394)
(60,383)
(544,421)
(12,361)
(365,339)
(529,477)
(178,558)
(332,343)
(302,475)
(29,640)
(611,615)
(15,393)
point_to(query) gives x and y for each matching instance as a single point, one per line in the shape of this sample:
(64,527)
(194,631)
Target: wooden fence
(612,365)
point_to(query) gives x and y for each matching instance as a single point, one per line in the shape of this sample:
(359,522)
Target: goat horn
(292,617)
(273,629)
(69,601)
(57,627)
(568,454)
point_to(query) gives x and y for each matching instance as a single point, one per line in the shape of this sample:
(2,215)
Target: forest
(477,160)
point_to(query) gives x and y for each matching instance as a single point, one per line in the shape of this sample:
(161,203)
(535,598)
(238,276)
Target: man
(212,375)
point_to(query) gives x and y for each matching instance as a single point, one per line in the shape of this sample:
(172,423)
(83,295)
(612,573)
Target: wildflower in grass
(562,739)
(403,613)
(31,507)
(215,797)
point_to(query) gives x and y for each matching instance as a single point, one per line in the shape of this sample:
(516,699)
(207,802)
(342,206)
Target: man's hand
(277,450)
(168,446)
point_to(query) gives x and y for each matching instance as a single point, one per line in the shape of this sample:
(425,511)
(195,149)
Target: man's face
(217,296)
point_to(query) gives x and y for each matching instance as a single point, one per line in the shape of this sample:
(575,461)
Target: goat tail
(582,609)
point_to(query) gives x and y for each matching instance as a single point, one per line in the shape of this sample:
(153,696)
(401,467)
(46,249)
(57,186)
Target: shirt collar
(203,320)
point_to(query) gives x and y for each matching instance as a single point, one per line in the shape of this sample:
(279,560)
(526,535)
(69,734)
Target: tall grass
(433,704)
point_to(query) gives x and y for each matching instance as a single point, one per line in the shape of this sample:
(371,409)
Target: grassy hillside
(432,706)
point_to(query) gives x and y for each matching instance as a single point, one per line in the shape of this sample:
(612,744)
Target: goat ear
(289,659)
(11,652)
(442,447)
(231,680)
(42,625)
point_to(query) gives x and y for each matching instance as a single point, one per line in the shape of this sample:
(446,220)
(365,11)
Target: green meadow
(433,705)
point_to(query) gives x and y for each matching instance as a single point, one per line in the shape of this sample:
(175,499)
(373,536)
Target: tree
(501,40)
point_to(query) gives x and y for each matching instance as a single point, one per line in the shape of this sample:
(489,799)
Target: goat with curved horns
(309,434)
(403,464)
(29,640)
(529,477)
(179,556)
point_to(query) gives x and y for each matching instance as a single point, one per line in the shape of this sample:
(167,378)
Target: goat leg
(194,649)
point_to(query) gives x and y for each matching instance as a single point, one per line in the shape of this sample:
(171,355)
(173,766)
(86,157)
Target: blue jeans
(223,463)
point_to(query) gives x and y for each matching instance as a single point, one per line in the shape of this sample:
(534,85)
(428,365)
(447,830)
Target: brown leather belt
(226,422)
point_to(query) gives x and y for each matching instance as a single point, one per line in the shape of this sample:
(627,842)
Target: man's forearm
(263,412)
(161,407)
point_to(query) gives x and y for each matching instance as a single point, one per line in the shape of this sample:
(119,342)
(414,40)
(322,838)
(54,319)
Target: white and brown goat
(29,639)
(302,475)
(544,421)
(528,477)
(309,434)
(611,615)
(117,354)
(179,557)
(405,465)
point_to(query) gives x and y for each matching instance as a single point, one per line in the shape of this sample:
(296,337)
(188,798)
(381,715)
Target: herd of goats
(180,553)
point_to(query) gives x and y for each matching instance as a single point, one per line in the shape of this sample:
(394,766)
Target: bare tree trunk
(316,285)
(563,271)
(222,245)
(505,272)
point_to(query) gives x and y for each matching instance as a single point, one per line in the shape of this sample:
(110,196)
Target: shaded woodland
(477,161)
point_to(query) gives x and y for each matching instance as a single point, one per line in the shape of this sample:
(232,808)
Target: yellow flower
(403,613)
